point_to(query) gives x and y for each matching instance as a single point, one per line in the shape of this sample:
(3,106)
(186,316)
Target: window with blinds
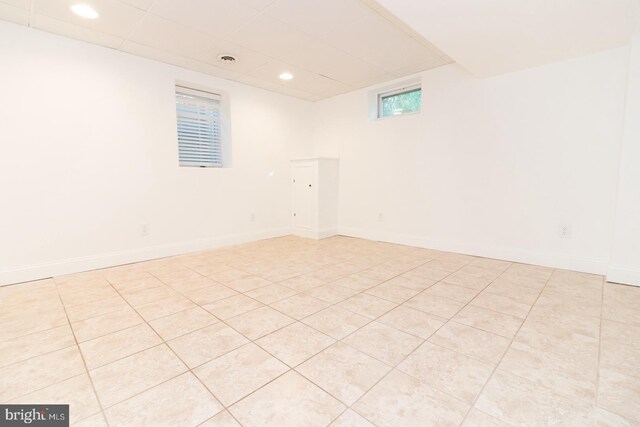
(199,136)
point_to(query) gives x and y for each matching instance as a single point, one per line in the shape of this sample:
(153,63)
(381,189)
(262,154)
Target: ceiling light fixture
(85,11)
(286,76)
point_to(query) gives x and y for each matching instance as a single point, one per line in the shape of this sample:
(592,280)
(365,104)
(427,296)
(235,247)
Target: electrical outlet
(564,231)
(253,217)
(380,218)
(144,230)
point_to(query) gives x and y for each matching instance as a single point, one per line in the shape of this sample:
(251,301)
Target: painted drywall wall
(491,167)
(88,154)
(625,250)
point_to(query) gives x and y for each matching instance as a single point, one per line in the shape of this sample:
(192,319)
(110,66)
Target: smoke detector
(227,58)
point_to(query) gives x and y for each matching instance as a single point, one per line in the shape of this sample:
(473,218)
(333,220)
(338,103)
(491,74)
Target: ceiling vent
(226,58)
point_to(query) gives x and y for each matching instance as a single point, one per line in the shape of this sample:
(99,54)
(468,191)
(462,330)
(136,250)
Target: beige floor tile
(295,343)
(356,282)
(344,372)
(223,419)
(606,418)
(38,372)
(232,306)
(501,304)
(302,283)
(520,294)
(240,372)
(164,307)
(141,296)
(383,342)
(621,303)
(182,322)
(336,322)
(109,348)
(271,293)
(412,321)
(180,401)
(453,292)
(431,272)
(519,402)
(401,400)
(620,349)
(331,293)
(27,321)
(191,284)
(453,373)
(291,401)
(565,374)
(87,295)
(477,418)
(28,346)
(226,276)
(471,342)
(95,327)
(392,292)
(259,322)
(367,305)
(247,284)
(351,419)
(96,420)
(412,281)
(467,280)
(490,321)
(438,306)
(127,377)
(206,344)
(76,392)
(209,294)
(96,308)
(619,393)
(300,306)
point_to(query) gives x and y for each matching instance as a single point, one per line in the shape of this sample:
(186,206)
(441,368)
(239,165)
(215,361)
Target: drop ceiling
(330,46)
(491,37)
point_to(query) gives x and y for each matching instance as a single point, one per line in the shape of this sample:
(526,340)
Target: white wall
(490,167)
(88,153)
(625,251)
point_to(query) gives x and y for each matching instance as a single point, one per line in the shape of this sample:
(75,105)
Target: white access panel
(315,197)
(303,195)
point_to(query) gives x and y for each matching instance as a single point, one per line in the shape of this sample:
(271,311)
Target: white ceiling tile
(171,37)
(274,87)
(376,40)
(317,17)
(116,18)
(55,26)
(336,64)
(22,4)
(140,4)
(257,4)
(14,14)
(302,80)
(272,38)
(152,53)
(211,70)
(215,17)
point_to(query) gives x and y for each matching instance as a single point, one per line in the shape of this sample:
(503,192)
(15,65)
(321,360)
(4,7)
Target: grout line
(84,362)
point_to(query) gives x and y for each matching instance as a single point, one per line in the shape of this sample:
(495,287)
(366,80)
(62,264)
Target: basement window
(403,100)
(199,128)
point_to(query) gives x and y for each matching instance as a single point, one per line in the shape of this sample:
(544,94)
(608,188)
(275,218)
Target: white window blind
(199,141)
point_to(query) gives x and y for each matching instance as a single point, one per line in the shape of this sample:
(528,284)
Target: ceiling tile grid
(330,46)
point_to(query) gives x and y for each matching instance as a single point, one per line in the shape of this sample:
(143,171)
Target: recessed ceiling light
(84,11)
(286,76)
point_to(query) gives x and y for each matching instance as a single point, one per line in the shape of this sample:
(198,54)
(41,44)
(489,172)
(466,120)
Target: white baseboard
(624,275)
(76,265)
(315,234)
(509,254)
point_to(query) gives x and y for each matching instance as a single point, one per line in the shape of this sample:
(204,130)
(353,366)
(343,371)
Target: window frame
(223,121)
(377,95)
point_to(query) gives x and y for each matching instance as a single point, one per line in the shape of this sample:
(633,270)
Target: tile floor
(341,332)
